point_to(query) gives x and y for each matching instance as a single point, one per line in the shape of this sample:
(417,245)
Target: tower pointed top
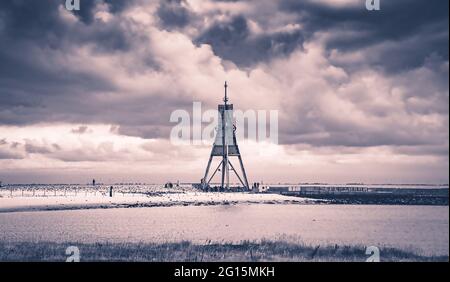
(225,99)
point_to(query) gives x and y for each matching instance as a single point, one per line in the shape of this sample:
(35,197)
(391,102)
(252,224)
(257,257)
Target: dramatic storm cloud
(362,95)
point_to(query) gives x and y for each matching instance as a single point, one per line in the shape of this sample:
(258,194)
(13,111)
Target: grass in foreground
(185,251)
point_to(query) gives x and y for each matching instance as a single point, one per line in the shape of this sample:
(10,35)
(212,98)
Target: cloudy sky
(363,96)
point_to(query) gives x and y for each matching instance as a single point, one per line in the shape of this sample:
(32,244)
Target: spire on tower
(226,98)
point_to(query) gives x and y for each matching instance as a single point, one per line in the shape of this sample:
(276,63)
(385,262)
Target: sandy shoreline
(20,204)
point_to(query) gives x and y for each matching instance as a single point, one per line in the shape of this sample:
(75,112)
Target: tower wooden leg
(204,184)
(244,175)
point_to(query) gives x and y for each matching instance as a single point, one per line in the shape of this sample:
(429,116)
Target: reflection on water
(421,228)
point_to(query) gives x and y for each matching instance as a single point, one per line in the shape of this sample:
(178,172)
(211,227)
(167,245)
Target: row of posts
(110,190)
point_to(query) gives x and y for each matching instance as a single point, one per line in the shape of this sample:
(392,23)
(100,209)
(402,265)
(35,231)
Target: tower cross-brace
(225,146)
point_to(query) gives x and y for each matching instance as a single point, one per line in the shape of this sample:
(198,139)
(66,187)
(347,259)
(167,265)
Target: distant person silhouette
(111,191)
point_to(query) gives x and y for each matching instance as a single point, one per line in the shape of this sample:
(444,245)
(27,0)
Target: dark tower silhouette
(225,146)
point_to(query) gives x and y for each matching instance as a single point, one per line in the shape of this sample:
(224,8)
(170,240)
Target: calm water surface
(421,228)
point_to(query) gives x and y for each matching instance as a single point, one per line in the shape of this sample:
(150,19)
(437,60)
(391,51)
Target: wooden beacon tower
(225,146)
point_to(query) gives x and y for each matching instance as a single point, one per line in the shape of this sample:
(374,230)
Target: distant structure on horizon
(225,146)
